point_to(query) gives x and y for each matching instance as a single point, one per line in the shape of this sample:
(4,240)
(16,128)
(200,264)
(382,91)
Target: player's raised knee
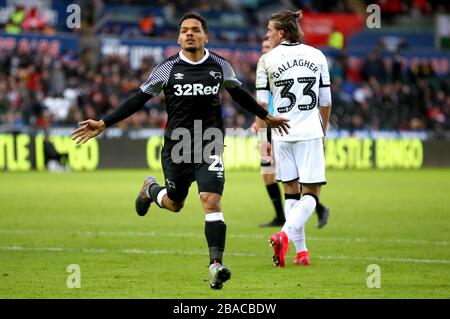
(177,206)
(210,201)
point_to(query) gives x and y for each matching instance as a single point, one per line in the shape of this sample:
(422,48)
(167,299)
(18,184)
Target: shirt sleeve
(229,77)
(157,80)
(324,84)
(324,73)
(130,106)
(262,81)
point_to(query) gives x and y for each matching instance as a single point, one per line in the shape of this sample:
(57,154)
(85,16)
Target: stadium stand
(390,78)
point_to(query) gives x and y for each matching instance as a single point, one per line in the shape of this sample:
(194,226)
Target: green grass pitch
(398,220)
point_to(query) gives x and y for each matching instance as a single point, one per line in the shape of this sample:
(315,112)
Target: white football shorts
(302,160)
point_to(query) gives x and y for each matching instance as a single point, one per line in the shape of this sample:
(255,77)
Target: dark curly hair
(193,15)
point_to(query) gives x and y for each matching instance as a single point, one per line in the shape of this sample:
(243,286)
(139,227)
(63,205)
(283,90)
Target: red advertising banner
(318,26)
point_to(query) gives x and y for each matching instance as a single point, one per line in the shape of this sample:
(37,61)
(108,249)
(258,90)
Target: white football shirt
(297,76)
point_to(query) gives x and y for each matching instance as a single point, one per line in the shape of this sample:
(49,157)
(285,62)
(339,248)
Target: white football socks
(288,205)
(295,222)
(299,240)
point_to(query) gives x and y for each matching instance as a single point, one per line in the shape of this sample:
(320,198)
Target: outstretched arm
(91,128)
(325,112)
(244,99)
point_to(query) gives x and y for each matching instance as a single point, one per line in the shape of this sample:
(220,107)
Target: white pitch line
(252,236)
(203,253)
(390,259)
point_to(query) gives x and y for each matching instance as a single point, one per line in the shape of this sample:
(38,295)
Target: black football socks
(215,232)
(153,192)
(275,196)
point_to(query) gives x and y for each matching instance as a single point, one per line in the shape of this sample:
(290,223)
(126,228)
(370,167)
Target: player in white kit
(297,76)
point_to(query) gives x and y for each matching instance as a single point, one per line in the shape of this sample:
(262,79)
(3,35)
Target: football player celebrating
(191,80)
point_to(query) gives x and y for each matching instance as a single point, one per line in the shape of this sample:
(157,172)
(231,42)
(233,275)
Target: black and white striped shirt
(192,89)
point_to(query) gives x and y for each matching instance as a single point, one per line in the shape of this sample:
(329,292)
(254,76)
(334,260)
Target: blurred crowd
(410,7)
(41,91)
(413,8)
(38,90)
(389,96)
(31,19)
(231,20)
(388,7)
(247,17)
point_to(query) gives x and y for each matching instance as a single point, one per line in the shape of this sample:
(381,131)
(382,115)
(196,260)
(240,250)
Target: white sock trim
(160,196)
(212,217)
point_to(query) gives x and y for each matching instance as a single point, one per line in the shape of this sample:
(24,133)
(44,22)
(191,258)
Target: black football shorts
(209,173)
